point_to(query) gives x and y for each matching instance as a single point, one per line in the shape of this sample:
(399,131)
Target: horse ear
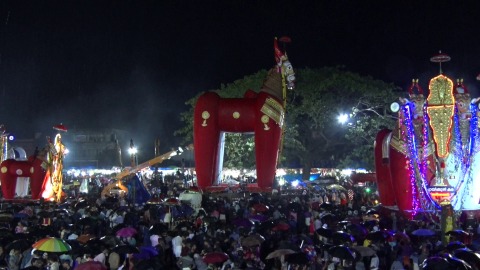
(278,53)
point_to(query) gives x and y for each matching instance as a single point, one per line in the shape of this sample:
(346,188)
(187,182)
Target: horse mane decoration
(260,113)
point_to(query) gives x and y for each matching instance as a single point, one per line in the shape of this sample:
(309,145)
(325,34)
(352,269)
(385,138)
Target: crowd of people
(311,228)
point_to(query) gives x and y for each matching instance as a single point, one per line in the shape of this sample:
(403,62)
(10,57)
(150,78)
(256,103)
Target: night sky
(132,64)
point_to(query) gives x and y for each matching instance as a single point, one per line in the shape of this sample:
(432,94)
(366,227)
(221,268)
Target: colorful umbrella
(52,244)
(126,232)
(215,257)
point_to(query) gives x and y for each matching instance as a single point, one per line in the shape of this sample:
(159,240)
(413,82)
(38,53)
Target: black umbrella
(457,263)
(377,236)
(295,206)
(111,199)
(266,226)
(4,232)
(460,233)
(437,263)
(81,204)
(184,224)
(469,256)
(158,228)
(61,211)
(326,206)
(370,223)
(117,227)
(110,240)
(41,231)
(79,249)
(452,246)
(357,230)
(341,237)
(31,268)
(86,221)
(344,222)
(95,242)
(298,258)
(21,244)
(327,217)
(327,233)
(45,214)
(152,263)
(342,252)
(285,244)
(125,249)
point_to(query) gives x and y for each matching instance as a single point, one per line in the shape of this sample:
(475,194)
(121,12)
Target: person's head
(38,262)
(66,264)
(52,258)
(87,256)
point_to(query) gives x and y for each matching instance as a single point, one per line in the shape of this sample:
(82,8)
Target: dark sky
(133,64)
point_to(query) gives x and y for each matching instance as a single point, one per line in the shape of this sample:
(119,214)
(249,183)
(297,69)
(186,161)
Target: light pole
(133,153)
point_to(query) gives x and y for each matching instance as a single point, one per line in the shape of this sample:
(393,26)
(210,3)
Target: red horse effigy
(33,168)
(259,113)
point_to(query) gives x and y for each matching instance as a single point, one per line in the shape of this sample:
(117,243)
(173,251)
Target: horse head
(281,77)
(288,73)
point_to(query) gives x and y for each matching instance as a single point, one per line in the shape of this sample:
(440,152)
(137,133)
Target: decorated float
(260,113)
(430,161)
(35,177)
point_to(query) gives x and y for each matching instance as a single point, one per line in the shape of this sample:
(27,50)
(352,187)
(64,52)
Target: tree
(313,137)
(321,95)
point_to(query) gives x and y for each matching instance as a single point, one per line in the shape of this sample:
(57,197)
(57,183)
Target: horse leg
(10,169)
(267,141)
(9,180)
(206,138)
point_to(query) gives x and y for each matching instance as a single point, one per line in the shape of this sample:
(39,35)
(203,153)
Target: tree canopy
(313,136)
